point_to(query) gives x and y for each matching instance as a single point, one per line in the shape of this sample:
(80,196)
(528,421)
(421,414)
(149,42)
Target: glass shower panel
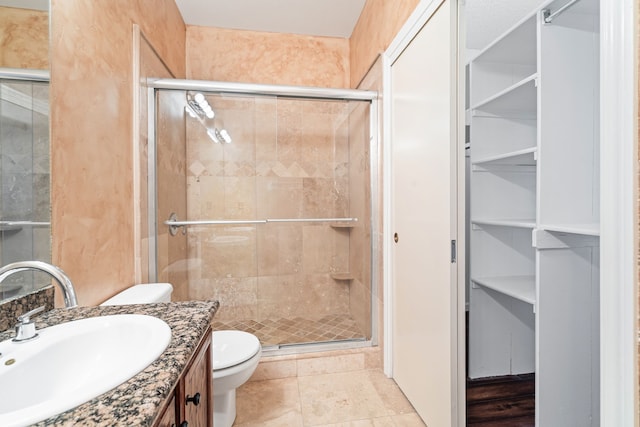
(24,174)
(283,188)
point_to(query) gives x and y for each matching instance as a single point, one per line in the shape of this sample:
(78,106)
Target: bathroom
(103,225)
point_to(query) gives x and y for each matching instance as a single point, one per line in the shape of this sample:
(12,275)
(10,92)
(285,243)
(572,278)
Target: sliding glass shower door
(271,204)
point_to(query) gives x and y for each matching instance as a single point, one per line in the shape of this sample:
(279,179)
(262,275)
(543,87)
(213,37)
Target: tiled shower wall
(288,159)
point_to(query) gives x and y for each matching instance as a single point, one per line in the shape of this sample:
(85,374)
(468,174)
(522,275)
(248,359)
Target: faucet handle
(26,329)
(26,317)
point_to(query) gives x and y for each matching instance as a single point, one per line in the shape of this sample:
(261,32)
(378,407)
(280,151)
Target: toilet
(142,294)
(235,356)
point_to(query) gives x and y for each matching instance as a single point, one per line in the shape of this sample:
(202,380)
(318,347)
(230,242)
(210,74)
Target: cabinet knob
(195,399)
(395,237)
(184,424)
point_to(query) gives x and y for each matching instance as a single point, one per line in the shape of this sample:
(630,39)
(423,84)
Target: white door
(423,208)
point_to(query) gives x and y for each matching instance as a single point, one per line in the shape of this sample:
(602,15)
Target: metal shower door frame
(329,94)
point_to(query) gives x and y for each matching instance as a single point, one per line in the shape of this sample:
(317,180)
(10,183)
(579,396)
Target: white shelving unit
(522,288)
(534,297)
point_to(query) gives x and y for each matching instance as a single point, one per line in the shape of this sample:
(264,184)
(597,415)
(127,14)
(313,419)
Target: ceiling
(330,18)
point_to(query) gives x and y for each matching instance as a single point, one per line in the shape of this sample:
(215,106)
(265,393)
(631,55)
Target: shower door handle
(395,237)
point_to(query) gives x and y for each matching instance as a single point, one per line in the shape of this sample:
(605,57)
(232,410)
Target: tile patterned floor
(361,398)
(297,330)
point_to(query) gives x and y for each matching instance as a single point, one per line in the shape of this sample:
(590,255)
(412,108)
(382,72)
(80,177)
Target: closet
(533,98)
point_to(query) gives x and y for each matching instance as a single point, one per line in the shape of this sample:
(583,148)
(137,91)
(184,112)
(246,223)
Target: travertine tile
(394,400)
(373,358)
(237,296)
(341,397)
(331,364)
(371,422)
(408,420)
(291,330)
(271,370)
(268,403)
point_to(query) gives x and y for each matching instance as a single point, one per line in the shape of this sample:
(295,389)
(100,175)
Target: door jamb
(618,213)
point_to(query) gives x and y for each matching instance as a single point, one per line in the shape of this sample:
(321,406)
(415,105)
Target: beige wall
(378,24)
(92,131)
(269,58)
(24,38)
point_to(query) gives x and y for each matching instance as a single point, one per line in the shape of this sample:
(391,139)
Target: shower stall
(261,197)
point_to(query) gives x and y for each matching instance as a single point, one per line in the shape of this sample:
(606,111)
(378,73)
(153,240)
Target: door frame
(618,210)
(422,13)
(618,213)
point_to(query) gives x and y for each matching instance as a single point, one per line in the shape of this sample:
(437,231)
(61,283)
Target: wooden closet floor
(501,401)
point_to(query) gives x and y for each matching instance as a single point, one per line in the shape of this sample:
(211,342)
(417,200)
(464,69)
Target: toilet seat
(231,348)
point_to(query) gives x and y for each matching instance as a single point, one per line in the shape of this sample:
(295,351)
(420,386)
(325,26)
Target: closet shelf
(524,157)
(516,46)
(517,223)
(522,288)
(592,229)
(518,100)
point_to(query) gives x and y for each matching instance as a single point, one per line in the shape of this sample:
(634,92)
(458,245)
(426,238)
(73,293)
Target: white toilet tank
(142,294)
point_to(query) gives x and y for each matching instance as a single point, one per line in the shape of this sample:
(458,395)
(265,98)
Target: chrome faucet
(66,286)
(26,328)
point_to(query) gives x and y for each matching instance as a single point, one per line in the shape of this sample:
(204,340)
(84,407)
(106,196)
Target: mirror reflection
(25,232)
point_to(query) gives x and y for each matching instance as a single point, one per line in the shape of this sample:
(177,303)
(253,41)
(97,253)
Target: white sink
(73,362)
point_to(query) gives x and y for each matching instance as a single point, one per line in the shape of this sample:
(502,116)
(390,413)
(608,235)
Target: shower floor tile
(297,330)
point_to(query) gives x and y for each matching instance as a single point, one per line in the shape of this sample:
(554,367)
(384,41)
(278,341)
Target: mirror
(25,232)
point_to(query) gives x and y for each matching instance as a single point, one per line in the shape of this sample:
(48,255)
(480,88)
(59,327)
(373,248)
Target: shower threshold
(314,347)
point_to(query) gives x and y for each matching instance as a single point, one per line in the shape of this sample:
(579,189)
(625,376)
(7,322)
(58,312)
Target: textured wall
(92,132)
(379,23)
(269,58)
(24,38)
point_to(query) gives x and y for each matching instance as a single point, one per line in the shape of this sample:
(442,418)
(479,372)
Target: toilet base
(224,409)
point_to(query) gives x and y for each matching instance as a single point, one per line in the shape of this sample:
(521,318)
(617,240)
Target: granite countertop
(136,402)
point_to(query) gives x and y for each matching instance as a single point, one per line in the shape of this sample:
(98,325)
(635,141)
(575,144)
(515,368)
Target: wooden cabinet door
(196,396)
(168,418)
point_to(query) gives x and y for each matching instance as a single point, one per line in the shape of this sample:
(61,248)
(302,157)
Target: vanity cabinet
(191,404)
(168,418)
(194,392)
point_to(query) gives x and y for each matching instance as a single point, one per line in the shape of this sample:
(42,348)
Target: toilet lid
(232,348)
